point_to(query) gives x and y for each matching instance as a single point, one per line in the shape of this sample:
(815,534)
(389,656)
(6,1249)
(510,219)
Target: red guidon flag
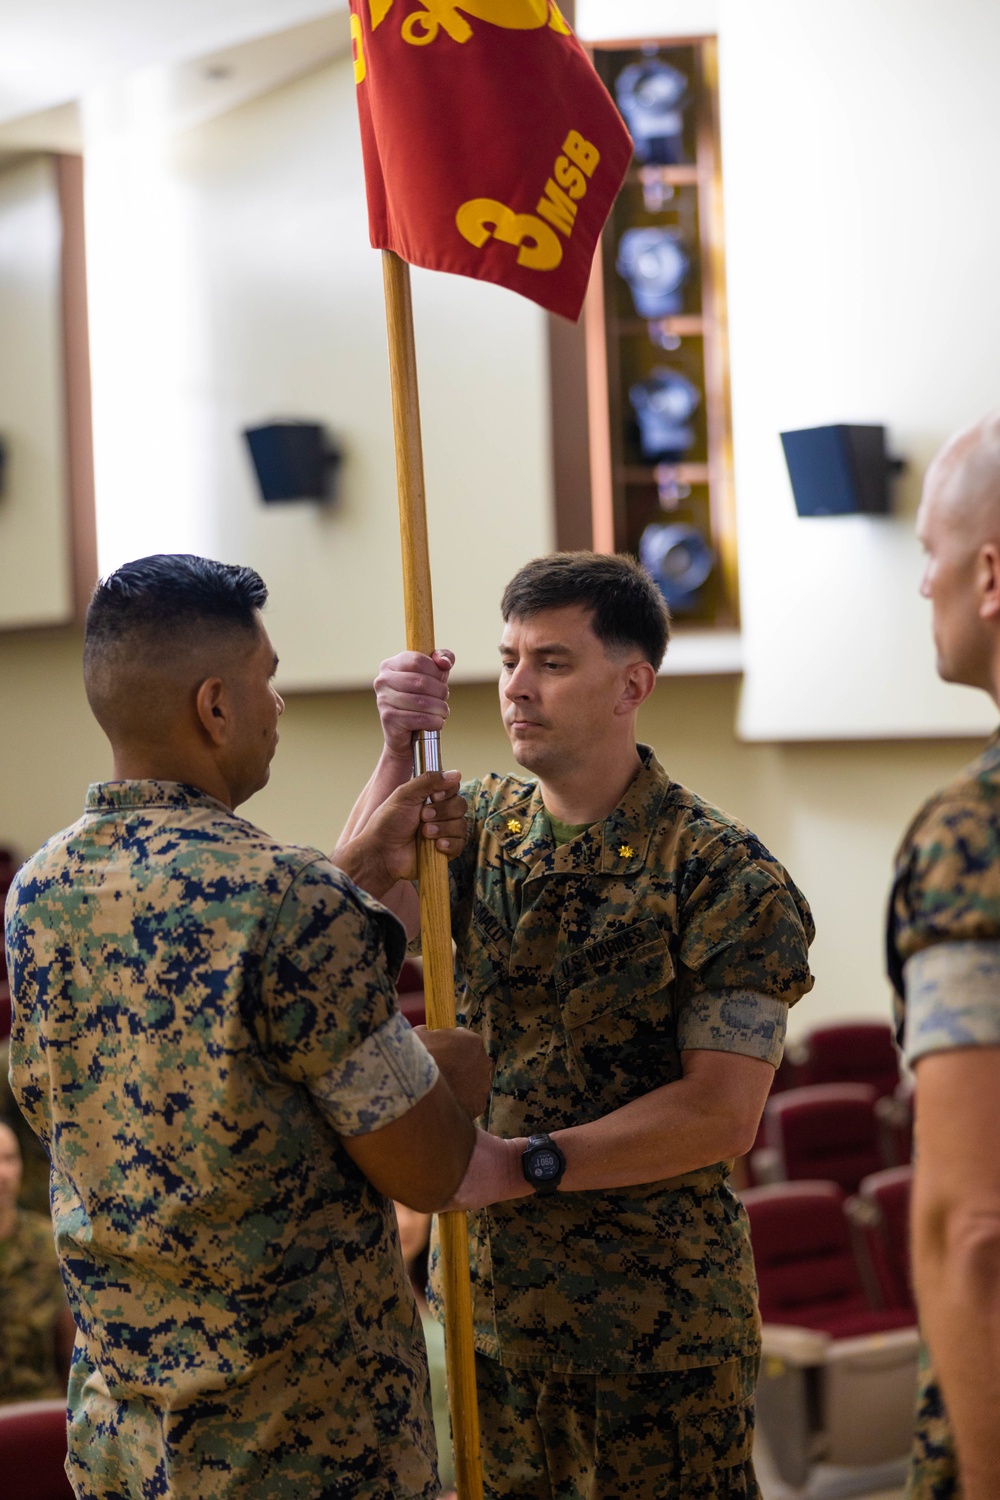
(491,147)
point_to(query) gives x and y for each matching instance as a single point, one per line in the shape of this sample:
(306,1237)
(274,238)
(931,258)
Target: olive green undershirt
(563,832)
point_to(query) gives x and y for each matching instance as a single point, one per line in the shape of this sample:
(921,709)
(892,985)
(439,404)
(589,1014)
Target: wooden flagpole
(432,865)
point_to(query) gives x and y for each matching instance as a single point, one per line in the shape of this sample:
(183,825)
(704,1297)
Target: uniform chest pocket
(613,971)
(617,1011)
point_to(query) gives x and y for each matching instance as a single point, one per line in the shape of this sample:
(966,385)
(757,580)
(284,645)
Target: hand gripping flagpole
(432,865)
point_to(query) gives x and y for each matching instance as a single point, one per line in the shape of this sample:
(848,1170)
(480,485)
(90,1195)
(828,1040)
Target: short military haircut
(173,593)
(627,610)
(146,619)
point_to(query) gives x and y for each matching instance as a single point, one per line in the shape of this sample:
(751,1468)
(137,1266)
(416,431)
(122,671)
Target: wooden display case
(633,483)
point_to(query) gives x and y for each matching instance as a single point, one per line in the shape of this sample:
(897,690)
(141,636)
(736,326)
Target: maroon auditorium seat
(880,1216)
(6,1013)
(806,1270)
(850,1052)
(33,1451)
(827,1132)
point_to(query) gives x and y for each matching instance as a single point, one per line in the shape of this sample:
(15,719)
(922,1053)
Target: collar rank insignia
(626,851)
(513,825)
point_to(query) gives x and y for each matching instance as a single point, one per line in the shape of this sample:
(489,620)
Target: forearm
(377,848)
(957,1277)
(360,859)
(390,772)
(707,1116)
(672,1130)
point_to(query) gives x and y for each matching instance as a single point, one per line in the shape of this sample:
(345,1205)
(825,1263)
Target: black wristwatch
(543,1164)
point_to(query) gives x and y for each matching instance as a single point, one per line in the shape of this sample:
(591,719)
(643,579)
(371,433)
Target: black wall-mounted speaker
(839,470)
(293,461)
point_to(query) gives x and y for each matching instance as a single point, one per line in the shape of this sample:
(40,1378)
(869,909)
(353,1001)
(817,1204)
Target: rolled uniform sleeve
(945,925)
(738,1021)
(952,998)
(330,1018)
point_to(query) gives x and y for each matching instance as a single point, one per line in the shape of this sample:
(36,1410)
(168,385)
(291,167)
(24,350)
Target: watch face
(544,1164)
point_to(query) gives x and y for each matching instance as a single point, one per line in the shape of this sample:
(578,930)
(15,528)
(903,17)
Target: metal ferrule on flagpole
(432,865)
(426,751)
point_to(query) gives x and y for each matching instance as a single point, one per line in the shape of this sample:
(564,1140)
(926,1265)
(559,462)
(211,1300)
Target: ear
(211,704)
(638,681)
(988,581)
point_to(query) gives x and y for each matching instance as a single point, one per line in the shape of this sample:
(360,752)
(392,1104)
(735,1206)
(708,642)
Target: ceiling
(52,52)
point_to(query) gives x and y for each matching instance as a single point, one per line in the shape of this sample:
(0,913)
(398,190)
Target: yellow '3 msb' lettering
(538,245)
(482,219)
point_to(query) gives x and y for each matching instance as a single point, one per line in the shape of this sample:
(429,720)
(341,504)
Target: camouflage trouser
(296,1432)
(685,1435)
(933,1471)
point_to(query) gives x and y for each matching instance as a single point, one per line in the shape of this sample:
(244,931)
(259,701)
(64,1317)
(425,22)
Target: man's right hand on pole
(411,691)
(412,695)
(464,1061)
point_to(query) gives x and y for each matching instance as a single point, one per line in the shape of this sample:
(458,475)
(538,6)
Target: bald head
(8,1141)
(963,484)
(958,525)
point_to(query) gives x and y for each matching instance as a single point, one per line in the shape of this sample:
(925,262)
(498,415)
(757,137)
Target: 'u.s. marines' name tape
(534,235)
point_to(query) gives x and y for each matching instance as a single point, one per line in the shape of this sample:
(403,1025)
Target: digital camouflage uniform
(587,968)
(31,1301)
(199,1014)
(944,963)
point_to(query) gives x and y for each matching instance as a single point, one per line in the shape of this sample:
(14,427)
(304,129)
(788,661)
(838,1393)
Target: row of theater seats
(828,1207)
(838,1111)
(840,1343)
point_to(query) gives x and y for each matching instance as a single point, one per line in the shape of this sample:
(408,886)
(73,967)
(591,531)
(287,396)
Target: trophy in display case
(650,96)
(663,404)
(655,266)
(679,561)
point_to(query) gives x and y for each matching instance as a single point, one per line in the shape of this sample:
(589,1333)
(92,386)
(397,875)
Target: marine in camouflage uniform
(944,925)
(617,1331)
(200,1015)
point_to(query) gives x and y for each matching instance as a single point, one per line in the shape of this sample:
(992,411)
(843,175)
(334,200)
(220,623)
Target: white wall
(859,145)
(35,574)
(232,281)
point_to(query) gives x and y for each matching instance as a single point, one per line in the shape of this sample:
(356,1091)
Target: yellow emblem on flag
(626,851)
(513,825)
(424,26)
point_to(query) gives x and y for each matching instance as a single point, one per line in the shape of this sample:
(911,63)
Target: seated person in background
(34,1193)
(415,1242)
(36,1329)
